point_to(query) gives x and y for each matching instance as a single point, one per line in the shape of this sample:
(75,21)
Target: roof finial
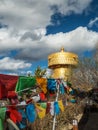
(62,49)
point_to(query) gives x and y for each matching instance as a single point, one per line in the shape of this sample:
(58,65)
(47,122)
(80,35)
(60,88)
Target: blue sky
(30,30)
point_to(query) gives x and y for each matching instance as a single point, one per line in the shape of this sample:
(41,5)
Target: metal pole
(57,95)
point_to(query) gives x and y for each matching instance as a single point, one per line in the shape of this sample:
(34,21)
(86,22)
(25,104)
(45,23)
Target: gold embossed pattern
(62,64)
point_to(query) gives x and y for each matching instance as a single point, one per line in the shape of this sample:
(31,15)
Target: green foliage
(39,72)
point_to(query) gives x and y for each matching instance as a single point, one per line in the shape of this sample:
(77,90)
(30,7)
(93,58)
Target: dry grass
(62,120)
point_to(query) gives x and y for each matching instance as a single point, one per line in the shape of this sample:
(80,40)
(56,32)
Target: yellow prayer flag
(61,105)
(42,82)
(40,111)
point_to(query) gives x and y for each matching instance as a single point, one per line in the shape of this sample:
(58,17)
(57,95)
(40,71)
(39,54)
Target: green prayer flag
(2,113)
(24,83)
(2,117)
(1,125)
(43,105)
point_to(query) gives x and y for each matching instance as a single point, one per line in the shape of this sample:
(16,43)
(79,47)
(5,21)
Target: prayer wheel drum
(62,63)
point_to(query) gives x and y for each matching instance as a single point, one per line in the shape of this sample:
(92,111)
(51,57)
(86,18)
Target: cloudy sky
(32,29)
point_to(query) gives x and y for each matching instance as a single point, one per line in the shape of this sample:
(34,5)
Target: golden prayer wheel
(62,63)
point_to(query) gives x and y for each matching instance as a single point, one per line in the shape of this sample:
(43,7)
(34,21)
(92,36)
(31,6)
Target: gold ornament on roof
(62,63)
(62,49)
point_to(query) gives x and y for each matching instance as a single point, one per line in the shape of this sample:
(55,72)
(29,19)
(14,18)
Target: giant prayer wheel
(62,63)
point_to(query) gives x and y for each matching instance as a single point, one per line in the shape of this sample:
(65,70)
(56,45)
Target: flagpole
(57,95)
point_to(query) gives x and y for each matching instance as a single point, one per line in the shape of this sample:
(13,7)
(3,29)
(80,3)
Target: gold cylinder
(62,63)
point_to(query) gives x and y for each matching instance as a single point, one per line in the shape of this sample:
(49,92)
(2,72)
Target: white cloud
(10,64)
(25,14)
(48,73)
(26,22)
(79,39)
(71,6)
(31,14)
(31,49)
(34,35)
(93,22)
